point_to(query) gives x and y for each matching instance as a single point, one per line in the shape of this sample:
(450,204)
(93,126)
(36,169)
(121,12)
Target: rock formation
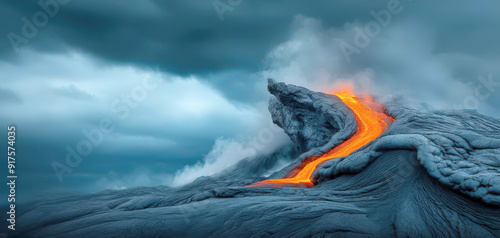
(433,173)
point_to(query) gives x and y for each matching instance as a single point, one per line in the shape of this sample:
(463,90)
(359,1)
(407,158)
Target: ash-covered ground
(432,174)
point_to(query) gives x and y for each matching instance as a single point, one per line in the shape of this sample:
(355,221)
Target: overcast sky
(198,69)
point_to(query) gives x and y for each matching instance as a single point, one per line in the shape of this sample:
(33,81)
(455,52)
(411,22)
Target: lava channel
(371,122)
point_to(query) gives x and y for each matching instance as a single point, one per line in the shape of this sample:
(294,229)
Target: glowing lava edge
(371,124)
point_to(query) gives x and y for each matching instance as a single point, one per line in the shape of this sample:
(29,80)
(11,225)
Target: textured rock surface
(316,122)
(461,149)
(431,174)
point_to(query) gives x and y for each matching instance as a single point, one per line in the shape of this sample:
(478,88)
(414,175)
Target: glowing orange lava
(372,122)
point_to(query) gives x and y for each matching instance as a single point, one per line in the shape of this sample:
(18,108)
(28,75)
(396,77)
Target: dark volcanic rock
(432,173)
(461,149)
(316,122)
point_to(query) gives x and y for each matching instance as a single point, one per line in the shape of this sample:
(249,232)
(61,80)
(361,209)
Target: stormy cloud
(65,77)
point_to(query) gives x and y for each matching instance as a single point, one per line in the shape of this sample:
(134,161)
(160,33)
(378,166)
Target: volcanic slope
(432,173)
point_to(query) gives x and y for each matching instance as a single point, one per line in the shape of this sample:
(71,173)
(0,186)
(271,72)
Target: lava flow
(371,124)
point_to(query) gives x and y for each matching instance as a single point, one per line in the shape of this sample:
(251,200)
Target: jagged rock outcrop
(431,174)
(316,122)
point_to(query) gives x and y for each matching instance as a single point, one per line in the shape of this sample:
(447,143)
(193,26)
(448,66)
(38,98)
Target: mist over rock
(433,173)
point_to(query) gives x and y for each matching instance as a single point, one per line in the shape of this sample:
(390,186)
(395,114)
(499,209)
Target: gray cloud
(71,91)
(8,96)
(188,38)
(183,37)
(94,51)
(174,125)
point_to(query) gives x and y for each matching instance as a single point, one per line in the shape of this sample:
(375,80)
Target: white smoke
(226,152)
(399,60)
